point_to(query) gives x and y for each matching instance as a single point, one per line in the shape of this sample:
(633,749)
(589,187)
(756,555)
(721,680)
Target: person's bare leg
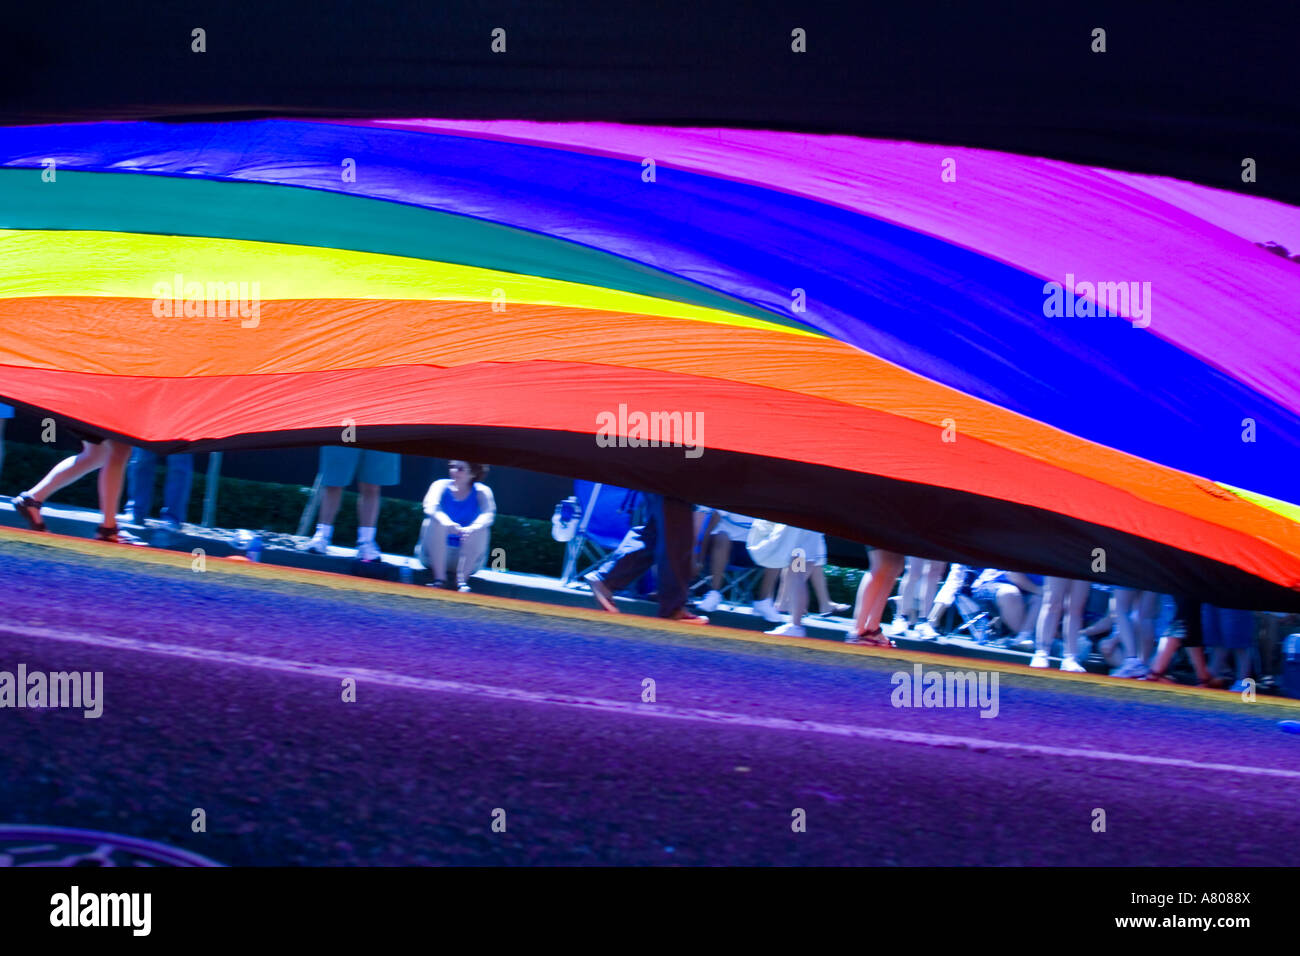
(1121,607)
(768,584)
(1197,655)
(1165,655)
(435,548)
(719,552)
(367,505)
(908,589)
(937,611)
(797,593)
(1100,626)
(817,578)
(1148,609)
(1011,605)
(331,497)
(1033,604)
(69,470)
(1076,597)
(1049,615)
(111,479)
(875,588)
(931,577)
(1165,652)
(472,546)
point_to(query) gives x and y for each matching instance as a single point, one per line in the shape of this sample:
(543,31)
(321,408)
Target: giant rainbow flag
(948,352)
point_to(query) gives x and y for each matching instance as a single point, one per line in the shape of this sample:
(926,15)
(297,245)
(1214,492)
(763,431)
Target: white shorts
(778,545)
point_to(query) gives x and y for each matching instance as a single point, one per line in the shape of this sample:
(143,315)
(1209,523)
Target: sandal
(874,638)
(114,535)
(30,509)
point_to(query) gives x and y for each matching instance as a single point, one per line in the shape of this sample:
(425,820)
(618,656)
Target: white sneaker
(1132,668)
(767,611)
(788,630)
(318,543)
(1039,659)
(925,631)
(1071,664)
(709,603)
(895,628)
(367,551)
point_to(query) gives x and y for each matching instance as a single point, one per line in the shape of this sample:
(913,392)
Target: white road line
(628,708)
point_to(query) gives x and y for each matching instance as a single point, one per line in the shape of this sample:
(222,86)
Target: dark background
(1184,89)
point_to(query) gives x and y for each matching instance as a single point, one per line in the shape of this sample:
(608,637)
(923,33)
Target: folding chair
(976,621)
(606,519)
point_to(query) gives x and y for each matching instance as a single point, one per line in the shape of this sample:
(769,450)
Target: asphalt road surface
(223,690)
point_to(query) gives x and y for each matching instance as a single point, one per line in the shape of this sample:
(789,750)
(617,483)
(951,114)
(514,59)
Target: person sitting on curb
(459,510)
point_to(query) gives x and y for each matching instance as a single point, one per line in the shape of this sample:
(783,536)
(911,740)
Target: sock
(325,531)
(365,535)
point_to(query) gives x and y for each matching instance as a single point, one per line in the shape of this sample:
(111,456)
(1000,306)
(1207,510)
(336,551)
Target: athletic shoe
(710,601)
(1071,665)
(601,592)
(1132,668)
(318,543)
(1039,659)
(1023,642)
(895,628)
(463,588)
(788,630)
(30,510)
(367,551)
(767,611)
(925,631)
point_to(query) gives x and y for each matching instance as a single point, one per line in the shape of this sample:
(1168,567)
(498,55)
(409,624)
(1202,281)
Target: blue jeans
(664,541)
(176,487)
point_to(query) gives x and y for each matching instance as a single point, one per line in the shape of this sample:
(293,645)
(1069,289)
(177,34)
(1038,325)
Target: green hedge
(842,583)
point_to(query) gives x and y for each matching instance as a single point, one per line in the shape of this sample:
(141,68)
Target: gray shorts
(340,464)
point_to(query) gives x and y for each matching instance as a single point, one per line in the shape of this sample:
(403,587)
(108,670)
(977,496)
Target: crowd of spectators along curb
(1134,634)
